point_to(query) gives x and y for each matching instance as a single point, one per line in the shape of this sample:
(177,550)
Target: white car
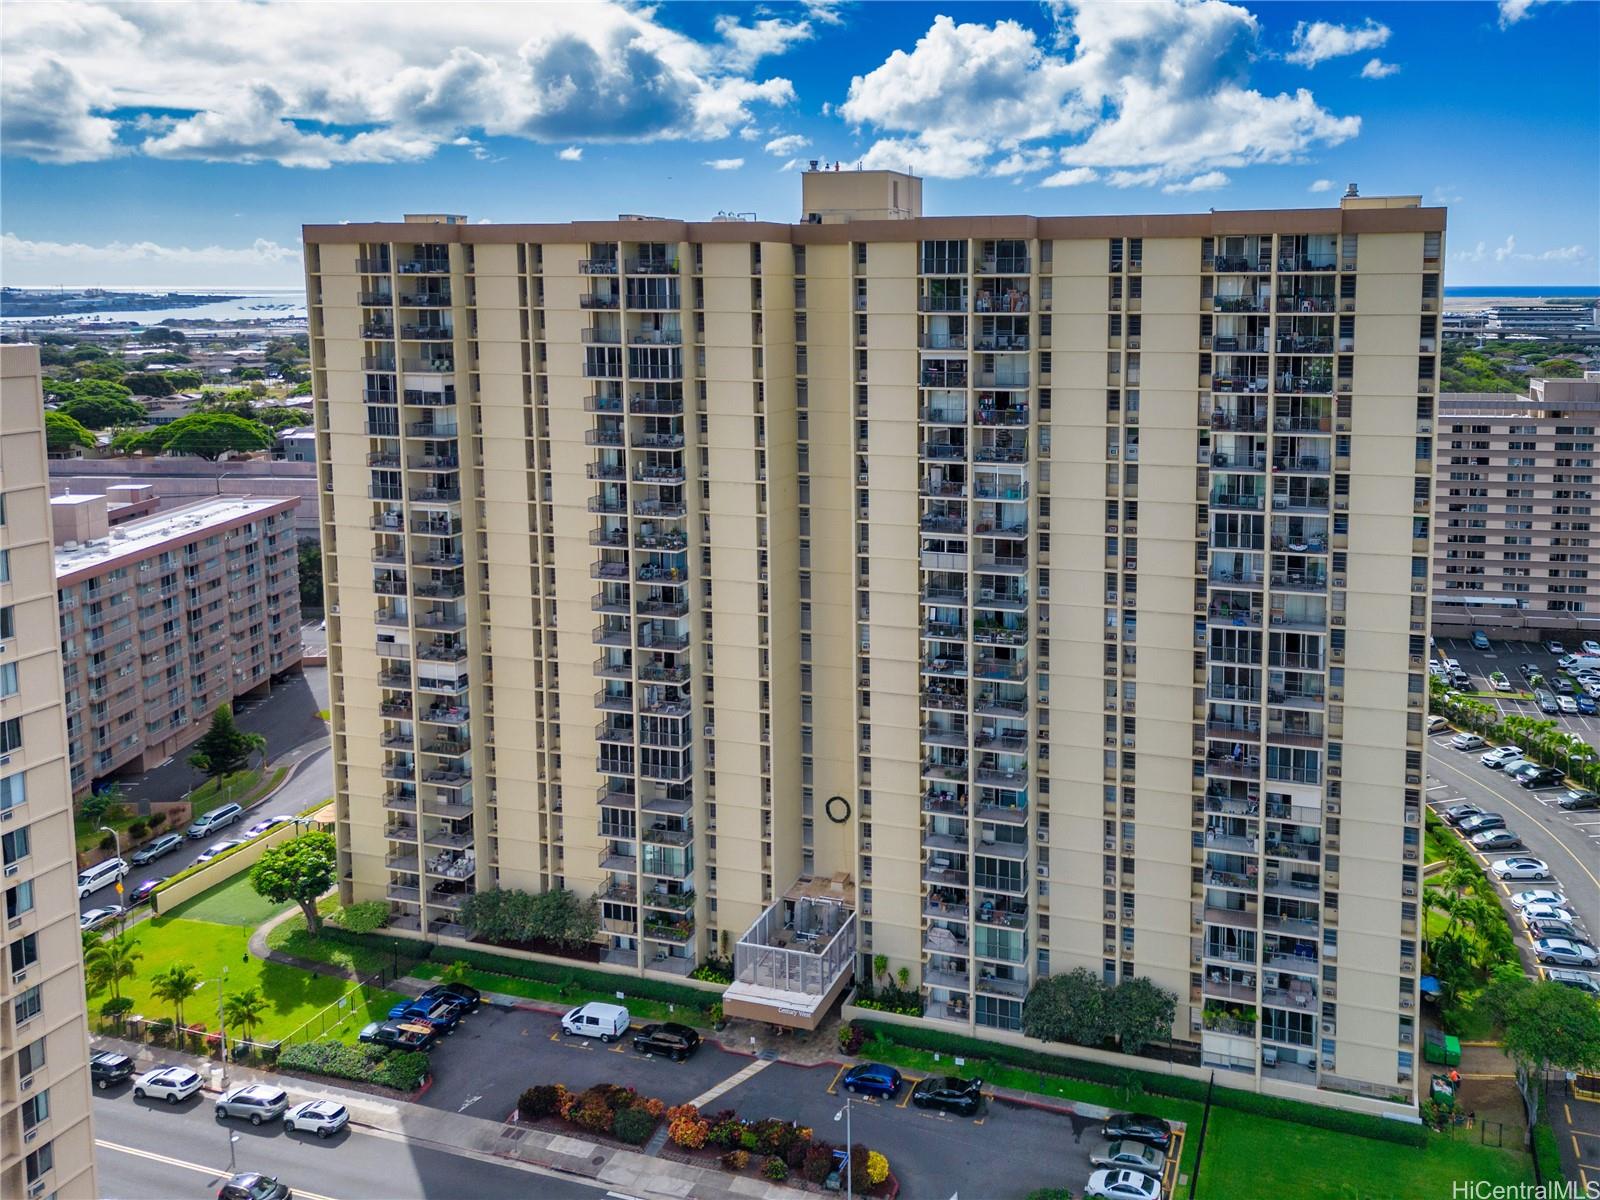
(1567,661)
(1537,896)
(171,1084)
(1467,741)
(97,917)
(1437,724)
(1520,867)
(1546,912)
(1500,756)
(1567,705)
(321,1117)
(266,825)
(1564,952)
(1555,647)
(1591,648)
(215,849)
(1122,1185)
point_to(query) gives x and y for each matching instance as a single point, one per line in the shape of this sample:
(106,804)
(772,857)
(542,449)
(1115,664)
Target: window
(24,952)
(30,1058)
(14,845)
(35,1108)
(19,900)
(5,566)
(10,735)
(41,1161)
(28,1004)
(8,624)
(8,679)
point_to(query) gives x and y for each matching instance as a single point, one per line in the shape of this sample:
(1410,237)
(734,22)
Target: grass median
(639,1008)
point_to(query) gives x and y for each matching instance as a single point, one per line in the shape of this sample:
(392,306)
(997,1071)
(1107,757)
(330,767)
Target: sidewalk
(474,1137)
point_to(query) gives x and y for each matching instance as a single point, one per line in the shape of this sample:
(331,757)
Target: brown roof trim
(1153,225)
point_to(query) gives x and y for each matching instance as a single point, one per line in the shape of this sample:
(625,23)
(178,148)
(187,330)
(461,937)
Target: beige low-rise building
(46,1142)
(999,595)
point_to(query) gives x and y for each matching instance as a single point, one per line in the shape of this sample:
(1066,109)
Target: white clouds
(1503,252)
(1073,177)
(724,164)
(1572,253)
(1208,182)
(571,154)
(1319,41)
(1445,193)
(787,144)
(30,263)
(1512,11)
(1321,185)
(1024,162)
(1507,252)
(240,81)
(1376,68)
(1157,91)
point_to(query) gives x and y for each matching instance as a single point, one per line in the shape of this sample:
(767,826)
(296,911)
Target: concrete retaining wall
(220,870)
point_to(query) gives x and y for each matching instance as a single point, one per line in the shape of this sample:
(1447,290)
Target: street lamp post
(116,841)
(849,1181)
(222,1027)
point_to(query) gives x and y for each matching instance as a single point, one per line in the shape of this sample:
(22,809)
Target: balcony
(797,958)
(992,984)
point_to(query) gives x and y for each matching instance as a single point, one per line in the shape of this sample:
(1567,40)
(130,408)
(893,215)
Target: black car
(1138,1127)
(1577,801)
(108,1069)
(252,1185)
(1458,813)
(960,1096)
(142,893)
(1482,822)
(674,1041)
(467,997)
(1542,778)
(402,1035)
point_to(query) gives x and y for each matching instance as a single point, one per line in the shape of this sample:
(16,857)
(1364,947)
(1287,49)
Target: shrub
(137,830)
(157,819)
(735,1160)
(541,1100)
(116,1006)
(602,982)
(713,970)
(1050,1194)
(160,1030)
(877,1168)
(727,1133)
(633,1125)
(403,1070)
(107,843)
(364,917)
(653,1106)
(858,1161)
(593,1110)
(795,1156)
(772,1135)
(775,1169)
(686,1127)
(818,1162)
(747,1140)
(851,1038)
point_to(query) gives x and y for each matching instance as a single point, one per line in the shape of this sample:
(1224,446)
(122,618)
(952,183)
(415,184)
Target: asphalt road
(153,1151)
(482,1068)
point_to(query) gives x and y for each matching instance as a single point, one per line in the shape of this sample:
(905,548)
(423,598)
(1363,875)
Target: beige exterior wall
(46,1142)
(1004,532)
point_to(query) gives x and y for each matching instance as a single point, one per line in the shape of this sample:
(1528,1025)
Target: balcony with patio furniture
(797,957)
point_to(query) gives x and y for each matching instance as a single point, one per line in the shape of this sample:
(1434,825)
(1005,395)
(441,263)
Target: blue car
(441,1014)
(1586,706)
(872,1079)
(1480,640)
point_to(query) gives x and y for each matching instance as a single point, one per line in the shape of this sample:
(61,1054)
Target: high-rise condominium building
(46,1147)
(1516,489)
(1000,595)
(167,617)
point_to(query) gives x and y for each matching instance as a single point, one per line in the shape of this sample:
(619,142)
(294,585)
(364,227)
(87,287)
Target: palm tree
(258,745)
(245,1010)
(107,963)
(175,985)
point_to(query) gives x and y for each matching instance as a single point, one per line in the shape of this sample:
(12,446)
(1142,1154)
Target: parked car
(1482,822)
(171,1084)
(1122,1185)
(441,1013)
(1546,912)
(1566,704)
(468,997)
(1567,661)
(1480,640)
(1590,647)
(1520,867)
(1529,670)
(265,825)
(1586,705)
(960,1096)
(97,917)
(108,1068)
(1541,777)
(1564,952)
(1544,929)
(102,874)
(254,1102)
(1584,981)
(872,1079)
(217,818)
(165,844)
(1537,896)
(1579,799)
(252,1185)
(1128,1156)
(1496,839)
(215,849)
(1458,813)
(607,1022)
(401,1035)
(669,1039)
(1138,1127)
(1555,647)
(1437,724)
(1499,682)
(321,1117)
(1546,701)
(142,893)
(1500,756)
(1467,741)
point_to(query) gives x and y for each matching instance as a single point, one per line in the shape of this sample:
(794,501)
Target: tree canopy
(507,915)
(224,748)
(1547,1026)
(148,383)
(299,870)
(62,432)
(1080,1007)
(210,435)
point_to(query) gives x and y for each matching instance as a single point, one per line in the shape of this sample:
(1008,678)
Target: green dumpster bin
(1442,1049)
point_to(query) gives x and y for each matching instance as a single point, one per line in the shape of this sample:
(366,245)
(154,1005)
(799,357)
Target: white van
(214,820)
(607,1022)
(103,874)
(1583,662)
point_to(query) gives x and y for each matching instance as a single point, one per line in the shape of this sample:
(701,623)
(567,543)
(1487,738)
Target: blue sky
(183,144)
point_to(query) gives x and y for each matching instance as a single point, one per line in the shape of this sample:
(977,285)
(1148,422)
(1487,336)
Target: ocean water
(1528,292)
(252,304)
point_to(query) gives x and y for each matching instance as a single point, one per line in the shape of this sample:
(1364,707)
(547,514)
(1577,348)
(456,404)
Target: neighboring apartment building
(1001,595)
(165,618)
(46,1144)
(1516,490)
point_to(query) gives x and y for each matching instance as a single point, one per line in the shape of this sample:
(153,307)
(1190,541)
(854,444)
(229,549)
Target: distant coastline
(58,302)
(1525,292)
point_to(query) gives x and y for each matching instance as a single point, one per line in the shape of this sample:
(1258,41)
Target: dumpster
(1442,1049)
(1442,1091)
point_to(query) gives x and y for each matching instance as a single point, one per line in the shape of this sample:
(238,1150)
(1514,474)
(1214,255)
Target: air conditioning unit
(1044,593)
(12,869)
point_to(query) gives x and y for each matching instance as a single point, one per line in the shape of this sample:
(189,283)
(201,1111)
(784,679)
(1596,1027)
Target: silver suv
(256,1101)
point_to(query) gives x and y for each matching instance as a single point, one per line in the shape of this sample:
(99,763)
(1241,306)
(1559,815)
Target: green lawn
(232,903)
(242,787)
(639,1008)
(293,995)
(88,834)
(1250,1156)
(291,938)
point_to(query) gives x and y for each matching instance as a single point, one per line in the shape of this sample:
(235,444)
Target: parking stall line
(833,1088)
(911,1085)
(731,1082)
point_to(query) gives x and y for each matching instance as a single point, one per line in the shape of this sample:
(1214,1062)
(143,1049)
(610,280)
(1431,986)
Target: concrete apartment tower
(46,1144)
(1001,595)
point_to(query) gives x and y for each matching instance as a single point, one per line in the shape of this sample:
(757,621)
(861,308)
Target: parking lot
(496,1053)
(1509,657)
